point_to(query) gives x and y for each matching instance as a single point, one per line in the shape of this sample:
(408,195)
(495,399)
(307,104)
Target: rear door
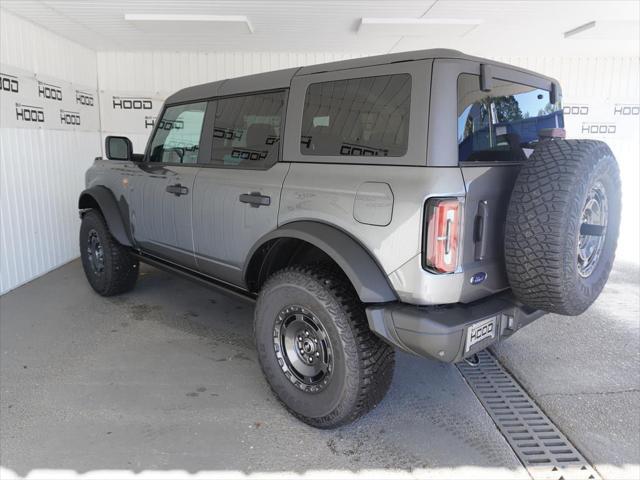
(237,193)
(161,191)
(497,130)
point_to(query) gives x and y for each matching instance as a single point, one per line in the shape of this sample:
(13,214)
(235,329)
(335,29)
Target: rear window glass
(503,124)
(247,130)
(357,117)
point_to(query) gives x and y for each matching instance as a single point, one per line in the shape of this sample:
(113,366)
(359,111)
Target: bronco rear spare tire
(562,225)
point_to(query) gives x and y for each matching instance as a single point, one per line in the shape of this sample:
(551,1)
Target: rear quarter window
(502,125)
(366,116)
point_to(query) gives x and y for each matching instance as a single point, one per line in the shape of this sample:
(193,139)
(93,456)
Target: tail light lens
(442,234)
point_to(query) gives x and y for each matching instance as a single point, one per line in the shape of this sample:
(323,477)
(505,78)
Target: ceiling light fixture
(417,26)
(228,23)
(580,29)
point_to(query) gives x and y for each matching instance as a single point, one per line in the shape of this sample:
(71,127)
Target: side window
(247,130)
(503,124)
(357,117)
(177,138)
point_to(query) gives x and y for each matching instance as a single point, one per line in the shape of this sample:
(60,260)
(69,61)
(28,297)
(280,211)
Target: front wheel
(315,347)
(109,267)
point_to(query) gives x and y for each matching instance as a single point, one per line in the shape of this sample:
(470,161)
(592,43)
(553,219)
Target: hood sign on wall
(37,101)
(601,120)
(85,98)
(49,91)
(9,83)
(132,103)
(29,113)
(129,112)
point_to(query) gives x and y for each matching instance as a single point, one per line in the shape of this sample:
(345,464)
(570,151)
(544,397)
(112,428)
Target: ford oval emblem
(478,278)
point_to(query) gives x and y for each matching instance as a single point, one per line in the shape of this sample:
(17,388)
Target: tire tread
(123,274)
(540,255)
(376,358)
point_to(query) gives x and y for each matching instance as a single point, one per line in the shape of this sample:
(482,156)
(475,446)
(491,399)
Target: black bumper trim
(440,331)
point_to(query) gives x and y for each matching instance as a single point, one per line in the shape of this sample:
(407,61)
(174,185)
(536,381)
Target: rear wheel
(108,266)
(315,347)
(562,225)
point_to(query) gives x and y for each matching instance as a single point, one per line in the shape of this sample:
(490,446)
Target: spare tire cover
(562,225)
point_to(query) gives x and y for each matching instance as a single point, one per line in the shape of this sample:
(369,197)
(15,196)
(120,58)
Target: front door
(237,196)
(161,191)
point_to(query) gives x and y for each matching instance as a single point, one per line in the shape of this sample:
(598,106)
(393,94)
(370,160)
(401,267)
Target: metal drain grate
(541,447)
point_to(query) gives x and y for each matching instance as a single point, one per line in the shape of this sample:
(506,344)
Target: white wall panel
(165,72)
(41,174)
(29,47)
(595,77)
(41,170)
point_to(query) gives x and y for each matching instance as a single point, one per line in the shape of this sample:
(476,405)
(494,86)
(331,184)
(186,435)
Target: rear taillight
(442,223)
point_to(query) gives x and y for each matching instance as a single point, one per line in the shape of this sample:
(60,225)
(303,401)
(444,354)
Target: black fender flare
(366,276)
(111,212)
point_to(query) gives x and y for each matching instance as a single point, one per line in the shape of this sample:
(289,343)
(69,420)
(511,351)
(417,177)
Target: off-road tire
(544,220)
(120,269)
(364,364)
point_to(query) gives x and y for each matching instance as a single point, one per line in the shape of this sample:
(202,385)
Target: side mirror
(118,148)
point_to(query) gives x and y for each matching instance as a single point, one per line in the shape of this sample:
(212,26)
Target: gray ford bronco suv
(425,201)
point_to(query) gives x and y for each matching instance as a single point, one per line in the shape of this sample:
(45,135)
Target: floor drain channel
(541,447)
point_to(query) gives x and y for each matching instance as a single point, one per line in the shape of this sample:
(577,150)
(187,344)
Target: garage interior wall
(43,170)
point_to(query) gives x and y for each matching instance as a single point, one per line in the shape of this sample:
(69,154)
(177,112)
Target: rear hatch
(497,132)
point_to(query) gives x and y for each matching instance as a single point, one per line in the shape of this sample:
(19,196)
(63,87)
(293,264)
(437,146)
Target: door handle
(177,189)
(255,199)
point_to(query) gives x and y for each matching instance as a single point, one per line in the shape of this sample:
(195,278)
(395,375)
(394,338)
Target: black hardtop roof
(282,78)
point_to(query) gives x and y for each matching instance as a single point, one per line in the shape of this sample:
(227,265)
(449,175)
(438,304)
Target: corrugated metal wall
(162,72)
(42,175)
(594,77)
(41,171)
(27,46)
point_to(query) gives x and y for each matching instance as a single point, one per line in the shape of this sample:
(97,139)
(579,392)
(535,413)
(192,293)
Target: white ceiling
(504,27)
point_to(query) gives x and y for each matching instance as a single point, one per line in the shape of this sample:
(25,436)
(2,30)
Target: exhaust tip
(473,360)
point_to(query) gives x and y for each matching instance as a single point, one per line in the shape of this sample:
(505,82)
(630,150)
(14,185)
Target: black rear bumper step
(440,331)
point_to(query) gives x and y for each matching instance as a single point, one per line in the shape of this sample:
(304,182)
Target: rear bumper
(440,331)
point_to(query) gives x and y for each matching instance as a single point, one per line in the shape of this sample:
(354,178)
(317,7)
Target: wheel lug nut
(317,354)
(306,332)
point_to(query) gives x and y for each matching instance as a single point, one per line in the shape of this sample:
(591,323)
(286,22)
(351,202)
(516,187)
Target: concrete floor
(585,374)
(166,378)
